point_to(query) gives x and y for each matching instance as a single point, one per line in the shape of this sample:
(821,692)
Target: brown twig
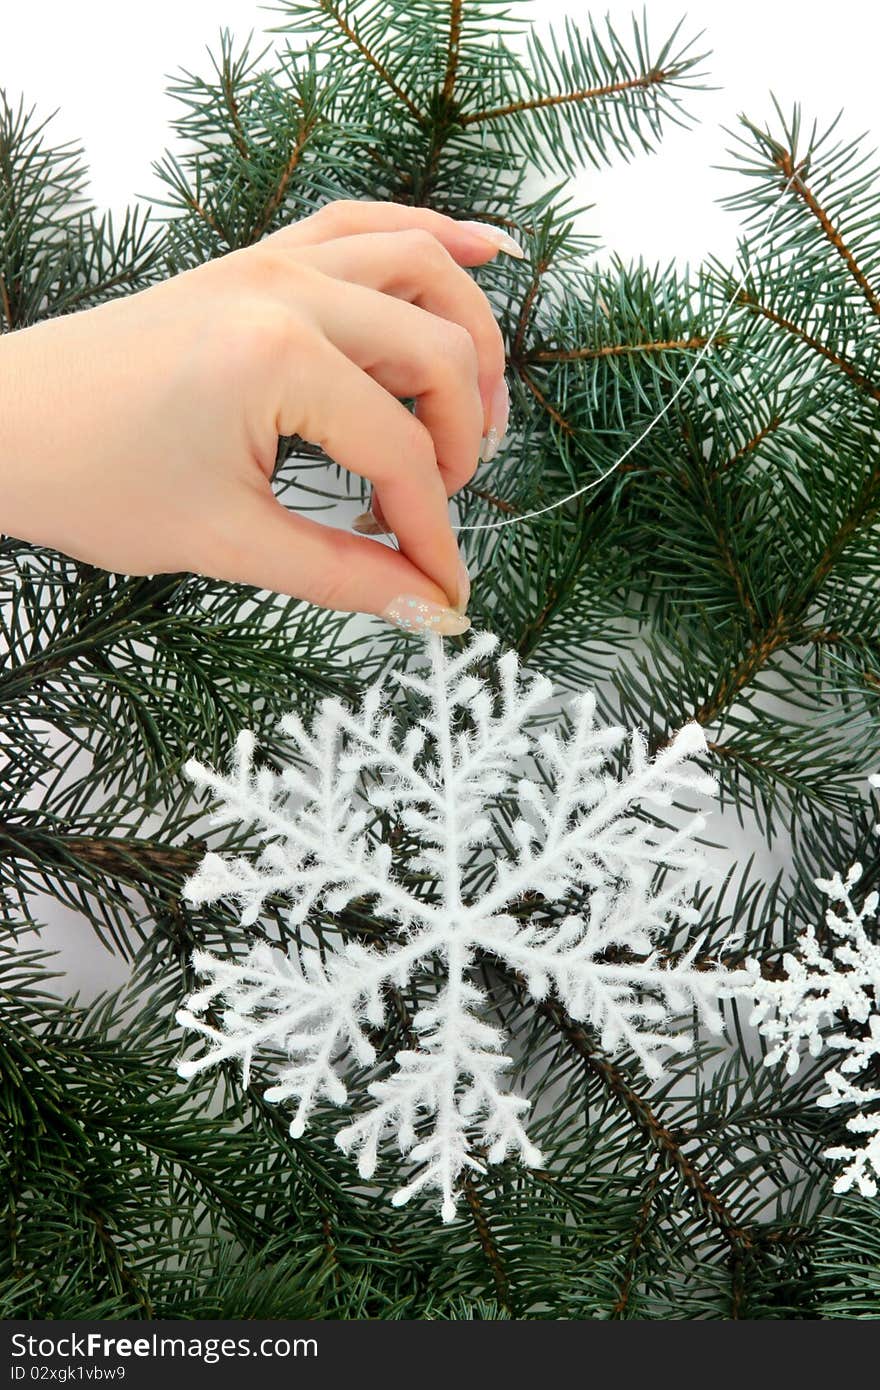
(128,1279)
(455,17)
(205,215)
(542,400)
(638,1239)
(648,79)
(493,501)
(274,201)
(619,349)
(522,323)
(131,859)
(533,630)
(725,552)
(786,625)
(488,1243)
(7,304)
(238,136)
(848,368)
(786,164)
(864,511)
(644,1118)
(375,63)
(750,445)
(757,654)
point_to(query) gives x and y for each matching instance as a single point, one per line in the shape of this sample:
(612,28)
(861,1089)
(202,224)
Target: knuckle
(457,351)
(413,451)
(331,589)
(337,216)
(423,244)
(265,334)
(265,329)
(418,443)
(269,266)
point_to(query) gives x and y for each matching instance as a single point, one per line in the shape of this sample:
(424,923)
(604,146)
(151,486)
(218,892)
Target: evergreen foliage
(728,572)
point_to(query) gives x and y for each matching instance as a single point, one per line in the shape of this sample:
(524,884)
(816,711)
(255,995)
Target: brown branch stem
(7,303)
(630,84)
(132,859)
(499,502)
(374,62)
(620,349)
(274,201)
(542,400)
(488,1243)
(809,199)
(786,625)
(644,1118)
(455,17)
(752,444)
(232,107)
(638,1239)
(848,368)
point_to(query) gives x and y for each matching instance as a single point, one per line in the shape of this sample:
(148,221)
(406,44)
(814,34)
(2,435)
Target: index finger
(470,243)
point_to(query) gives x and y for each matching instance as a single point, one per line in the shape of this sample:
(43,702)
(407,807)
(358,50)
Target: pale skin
(140,436)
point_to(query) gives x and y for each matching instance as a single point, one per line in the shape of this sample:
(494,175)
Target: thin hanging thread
(588,487)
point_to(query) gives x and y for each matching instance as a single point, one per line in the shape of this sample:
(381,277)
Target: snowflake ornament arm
(821,987)
(580,830)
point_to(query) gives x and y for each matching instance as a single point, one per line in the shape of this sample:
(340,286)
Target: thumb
(260,542)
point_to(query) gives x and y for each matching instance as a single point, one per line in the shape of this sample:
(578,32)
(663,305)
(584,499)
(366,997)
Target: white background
(104,66)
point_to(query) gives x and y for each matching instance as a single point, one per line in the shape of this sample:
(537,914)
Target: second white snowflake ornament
(613,883)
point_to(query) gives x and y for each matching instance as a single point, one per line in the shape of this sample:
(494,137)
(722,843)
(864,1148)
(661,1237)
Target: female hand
(141,435)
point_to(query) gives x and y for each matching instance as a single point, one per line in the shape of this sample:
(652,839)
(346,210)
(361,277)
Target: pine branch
(206,216)
(745,593)
(580,354)
(640,1112)
(553,411)
(786,627)
(794,174)
(751,444)
(631,84)
(276,198)
(126,859)
(350,33)
(8,311)
(227,81)
(497,502)
(488,1243)
(455,17)
(837,199)
(638,1238)
(849,369)
(121,1274)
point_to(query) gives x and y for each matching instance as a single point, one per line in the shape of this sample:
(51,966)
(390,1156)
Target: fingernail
(499,414)
(420,615)
(367,525)
(497,237)
(464,586)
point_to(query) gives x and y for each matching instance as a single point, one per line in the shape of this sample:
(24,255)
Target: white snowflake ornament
(824,985)
(580,839)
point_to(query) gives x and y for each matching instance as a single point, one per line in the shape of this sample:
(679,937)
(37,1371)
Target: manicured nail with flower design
(497,237)
(499,413)
(414,614)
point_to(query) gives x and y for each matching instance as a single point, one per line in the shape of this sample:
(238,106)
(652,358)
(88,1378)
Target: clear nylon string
(588,487)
